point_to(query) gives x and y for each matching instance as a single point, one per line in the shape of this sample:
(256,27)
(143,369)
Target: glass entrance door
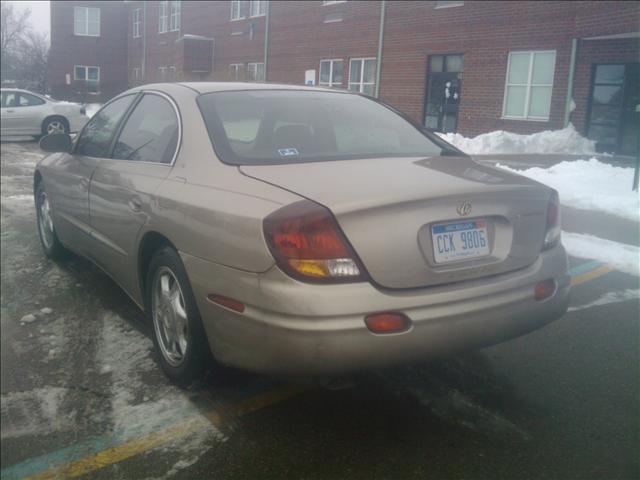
(444,87)
(614,116)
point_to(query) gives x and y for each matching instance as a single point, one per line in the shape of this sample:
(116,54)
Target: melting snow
(567,140)
(620,256)
(590,185)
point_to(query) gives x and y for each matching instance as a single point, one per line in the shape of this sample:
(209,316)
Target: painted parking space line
(102,451)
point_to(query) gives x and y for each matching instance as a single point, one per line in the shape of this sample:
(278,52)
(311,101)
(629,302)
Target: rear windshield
(288,126)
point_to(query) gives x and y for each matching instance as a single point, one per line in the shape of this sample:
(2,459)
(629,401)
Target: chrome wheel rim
(169,316)
(45,222)
(55,127)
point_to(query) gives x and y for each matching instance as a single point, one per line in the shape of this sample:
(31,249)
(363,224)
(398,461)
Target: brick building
(466,66)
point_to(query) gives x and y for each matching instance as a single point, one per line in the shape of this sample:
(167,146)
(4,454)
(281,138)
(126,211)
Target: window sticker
(287,152)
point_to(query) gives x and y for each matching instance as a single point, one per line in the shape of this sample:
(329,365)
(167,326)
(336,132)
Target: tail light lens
(552,234)
(307,244)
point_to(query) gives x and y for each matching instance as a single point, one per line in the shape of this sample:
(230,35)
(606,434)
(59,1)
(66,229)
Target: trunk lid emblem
(464,209)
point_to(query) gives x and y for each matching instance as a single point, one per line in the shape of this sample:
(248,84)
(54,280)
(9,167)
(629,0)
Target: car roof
(210,87)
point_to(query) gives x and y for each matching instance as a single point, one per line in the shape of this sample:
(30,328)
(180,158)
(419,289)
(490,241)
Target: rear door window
(150,134)
(97,135)
(27,100)
(9,100)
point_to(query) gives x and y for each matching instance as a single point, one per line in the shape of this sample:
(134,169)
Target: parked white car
(28,113)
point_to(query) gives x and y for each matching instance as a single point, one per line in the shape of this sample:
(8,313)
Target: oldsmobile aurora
(299,230)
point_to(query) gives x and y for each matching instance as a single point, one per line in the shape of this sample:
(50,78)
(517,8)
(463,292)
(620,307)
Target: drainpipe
(383,9)
(144,41)
(266,38)
(572,68)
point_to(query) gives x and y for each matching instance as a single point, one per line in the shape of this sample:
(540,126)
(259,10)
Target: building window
(330,72)
(86,21)
(257,8)
(136,74)
(332,2)
(450,3)
(362,75)
(174,23)
(255,72)
(527,94)
(236,10)
(137,22)
(162,73)
(163,17)
(88,76)
(235,72)
(172,73)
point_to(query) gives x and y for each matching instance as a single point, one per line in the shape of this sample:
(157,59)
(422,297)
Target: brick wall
(108,51)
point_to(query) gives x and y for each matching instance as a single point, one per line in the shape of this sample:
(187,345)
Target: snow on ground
(590,185)
(610,297)
(92,108)
(620,256)
(567,140)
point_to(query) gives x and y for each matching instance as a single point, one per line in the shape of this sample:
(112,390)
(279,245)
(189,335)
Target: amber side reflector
(387,322)
(544,289)
(230,303)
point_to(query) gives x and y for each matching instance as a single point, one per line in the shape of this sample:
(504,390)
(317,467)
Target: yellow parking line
(591,275)
(135,447)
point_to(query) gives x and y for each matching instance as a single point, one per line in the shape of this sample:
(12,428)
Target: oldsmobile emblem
(464,209)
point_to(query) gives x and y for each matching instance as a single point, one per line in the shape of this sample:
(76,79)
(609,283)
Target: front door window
(613,117)
(444,87)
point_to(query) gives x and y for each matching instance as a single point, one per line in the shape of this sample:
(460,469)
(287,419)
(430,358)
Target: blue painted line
(584,268)
(94,445)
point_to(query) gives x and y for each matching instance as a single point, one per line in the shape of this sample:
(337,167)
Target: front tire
(46,229)
(178,333)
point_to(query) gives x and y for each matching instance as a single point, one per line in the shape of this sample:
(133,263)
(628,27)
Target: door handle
(135,204)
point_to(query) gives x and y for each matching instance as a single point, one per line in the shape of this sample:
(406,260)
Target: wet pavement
(82,395)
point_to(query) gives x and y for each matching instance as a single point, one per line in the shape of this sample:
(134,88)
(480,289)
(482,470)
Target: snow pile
(92,108)
(590,185)
(620,256)
(567,141)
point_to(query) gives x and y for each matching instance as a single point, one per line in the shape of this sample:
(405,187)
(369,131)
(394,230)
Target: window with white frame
(330,72)
(449,3)
(137,22)
(237,9)
(174,21)
(255,72)
(86,21)
(257,8)
(235,72)
(87,75)
(163,17)
(162,73)
(529,84)
(362,75)
(172,73)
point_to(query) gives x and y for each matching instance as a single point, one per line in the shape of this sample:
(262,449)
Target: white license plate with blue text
(459,241)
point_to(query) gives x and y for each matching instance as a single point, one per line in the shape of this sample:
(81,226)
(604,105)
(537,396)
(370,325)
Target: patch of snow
(572,106)
(28,318)
(590,185)
(46,310)
(610,297)
(567,140)
(92,108)
(620,256)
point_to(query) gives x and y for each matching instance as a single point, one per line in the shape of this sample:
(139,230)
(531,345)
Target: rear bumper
(290,327)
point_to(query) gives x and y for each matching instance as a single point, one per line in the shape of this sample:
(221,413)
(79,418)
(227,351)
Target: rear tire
(46,229)
(178,333)
(55,125)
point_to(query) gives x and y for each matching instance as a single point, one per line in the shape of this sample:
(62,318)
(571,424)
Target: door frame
(426,83)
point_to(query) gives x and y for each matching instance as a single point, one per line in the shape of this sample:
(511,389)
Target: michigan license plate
(459,241)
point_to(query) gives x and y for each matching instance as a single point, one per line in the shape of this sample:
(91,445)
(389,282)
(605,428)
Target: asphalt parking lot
(82,395)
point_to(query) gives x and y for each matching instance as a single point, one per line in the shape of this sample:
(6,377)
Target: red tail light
(552,233)
(307,244)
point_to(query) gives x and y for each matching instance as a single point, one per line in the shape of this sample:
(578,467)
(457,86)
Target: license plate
(459,241)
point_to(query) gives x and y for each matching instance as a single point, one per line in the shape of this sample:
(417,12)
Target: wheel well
(150,243)
(52,117)
(37,178)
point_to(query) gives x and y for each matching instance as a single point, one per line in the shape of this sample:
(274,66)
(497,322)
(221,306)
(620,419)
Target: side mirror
(56,142)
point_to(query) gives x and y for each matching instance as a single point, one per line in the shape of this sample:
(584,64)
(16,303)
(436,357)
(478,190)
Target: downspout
(572,68)
(144,41)
(383,9)
(266,39)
